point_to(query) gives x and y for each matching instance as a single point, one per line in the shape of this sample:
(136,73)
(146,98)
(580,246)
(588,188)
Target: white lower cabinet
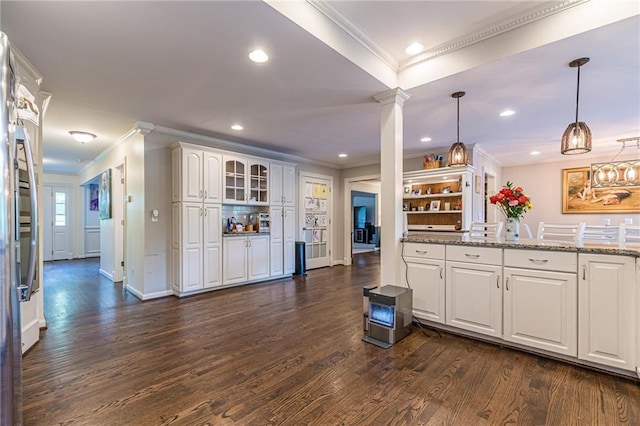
(425,276)
(282,232)
(608,310)
(245,258)
(540,309)
(196,246)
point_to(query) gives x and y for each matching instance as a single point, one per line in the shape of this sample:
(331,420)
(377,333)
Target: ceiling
(183,65)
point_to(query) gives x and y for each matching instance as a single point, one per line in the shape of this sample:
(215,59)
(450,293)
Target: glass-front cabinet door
(258,182)
(235,180)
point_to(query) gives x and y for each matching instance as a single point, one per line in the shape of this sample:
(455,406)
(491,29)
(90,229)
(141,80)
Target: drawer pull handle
(421,251)
(473,256)
(441,273)
(538,260)
(498,281)
(507,283)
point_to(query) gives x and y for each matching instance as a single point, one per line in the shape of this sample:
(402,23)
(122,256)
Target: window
(60,208)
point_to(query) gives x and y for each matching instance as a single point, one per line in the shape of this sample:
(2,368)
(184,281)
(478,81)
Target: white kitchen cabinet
(196,175)
(235,180)
(425,276)
(282,233)
(540,309)
(245,258)
(282,184)
(258,182)
(196,246)
(607,310)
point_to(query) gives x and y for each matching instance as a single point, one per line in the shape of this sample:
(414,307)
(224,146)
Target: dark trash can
(301,261)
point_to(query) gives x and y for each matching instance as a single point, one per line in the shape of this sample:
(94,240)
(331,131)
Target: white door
(289,240)
(474,297)
(540,309)
(316,195)
(258,256)
(57,222)
(276,235)
(192,236)
(212,246)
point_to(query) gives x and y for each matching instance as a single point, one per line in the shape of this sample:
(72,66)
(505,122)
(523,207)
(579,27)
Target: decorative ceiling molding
(516,21)
(356,33)
(396,95)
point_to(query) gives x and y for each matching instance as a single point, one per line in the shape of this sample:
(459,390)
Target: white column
(392,102)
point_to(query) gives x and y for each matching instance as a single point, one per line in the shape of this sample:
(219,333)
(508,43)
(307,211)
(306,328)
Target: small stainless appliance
(390,315)
(263,222)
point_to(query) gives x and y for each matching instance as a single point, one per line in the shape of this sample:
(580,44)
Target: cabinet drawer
(425,251)
(469,254)
(539,259)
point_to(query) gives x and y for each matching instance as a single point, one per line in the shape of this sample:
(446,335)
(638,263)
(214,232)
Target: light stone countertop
(527,244)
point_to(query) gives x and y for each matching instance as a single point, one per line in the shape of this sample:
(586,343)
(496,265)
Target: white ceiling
(184,65)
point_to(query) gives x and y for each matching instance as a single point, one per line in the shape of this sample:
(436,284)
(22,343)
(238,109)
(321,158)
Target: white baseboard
(157,294)
(30,335)
(337,262)
(135,292)
(106,274)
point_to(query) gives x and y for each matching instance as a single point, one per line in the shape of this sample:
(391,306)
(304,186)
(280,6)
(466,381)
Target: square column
(391,168)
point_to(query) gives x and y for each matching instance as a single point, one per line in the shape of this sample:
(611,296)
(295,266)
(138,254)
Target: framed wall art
(579,197)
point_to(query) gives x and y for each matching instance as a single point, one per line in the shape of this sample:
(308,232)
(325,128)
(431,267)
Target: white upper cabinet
(235,180)
(258,182)
(282,184)
(196,175)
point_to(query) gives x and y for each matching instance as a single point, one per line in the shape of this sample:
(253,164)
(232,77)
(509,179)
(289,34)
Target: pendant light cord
(458,129)
(578,95)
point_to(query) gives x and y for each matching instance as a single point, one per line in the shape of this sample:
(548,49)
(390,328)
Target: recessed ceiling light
(534,153)
(507,113)
(343,155)
(237,127)
(414,48)
(258,56)
(425,139)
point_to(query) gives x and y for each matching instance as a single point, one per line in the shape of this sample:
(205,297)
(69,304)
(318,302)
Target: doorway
(365,232)
(369,185)
(316,194)
(57,219)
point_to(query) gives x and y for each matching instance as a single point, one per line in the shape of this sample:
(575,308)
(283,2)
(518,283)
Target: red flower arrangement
(512,201)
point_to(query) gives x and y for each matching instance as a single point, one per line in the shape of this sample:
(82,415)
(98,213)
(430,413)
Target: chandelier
(616,174)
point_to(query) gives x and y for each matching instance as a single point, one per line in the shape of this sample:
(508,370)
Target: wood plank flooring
(286,352)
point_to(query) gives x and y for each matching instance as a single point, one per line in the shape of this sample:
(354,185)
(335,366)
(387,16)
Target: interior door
(316,196)
(57,221)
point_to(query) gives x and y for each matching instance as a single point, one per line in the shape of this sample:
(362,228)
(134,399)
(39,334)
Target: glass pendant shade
(458,153)
(616,174)
(576,139)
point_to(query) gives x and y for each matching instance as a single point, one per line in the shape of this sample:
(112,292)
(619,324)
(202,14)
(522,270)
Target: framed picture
(435,205)
(579,197)
(407,190)
(446,190)
(478,184)
(104,195)
(416,192)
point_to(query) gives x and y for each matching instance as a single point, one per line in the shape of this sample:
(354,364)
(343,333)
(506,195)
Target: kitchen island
(577,302)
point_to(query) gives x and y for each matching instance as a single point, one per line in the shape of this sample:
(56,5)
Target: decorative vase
(512,229)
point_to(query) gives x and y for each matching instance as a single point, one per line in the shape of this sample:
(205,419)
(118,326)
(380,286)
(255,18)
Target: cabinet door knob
(205,194)
(498,281)
(201,193)
(441,273)
(584,272)
(200,211)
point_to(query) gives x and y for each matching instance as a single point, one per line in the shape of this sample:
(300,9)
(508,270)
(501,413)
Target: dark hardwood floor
(285,352)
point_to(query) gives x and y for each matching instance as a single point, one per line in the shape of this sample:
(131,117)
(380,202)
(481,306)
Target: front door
(56,222)
(316,195)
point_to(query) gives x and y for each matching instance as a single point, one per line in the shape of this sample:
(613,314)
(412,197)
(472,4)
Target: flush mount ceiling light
(258,56)
(237,127)
(425,139)
(616,174)
(82,137)
(577,138)
(458,154)
(414,48)
(507,113)
(343,155)
(534,153)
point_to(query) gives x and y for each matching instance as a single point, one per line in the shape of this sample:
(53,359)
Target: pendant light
(458,154)
(577,138)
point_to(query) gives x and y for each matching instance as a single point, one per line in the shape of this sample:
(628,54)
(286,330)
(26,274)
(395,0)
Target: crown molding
(396,95)
(515,21)
(354,32)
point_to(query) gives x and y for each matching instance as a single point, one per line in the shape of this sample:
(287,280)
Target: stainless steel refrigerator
(18,235)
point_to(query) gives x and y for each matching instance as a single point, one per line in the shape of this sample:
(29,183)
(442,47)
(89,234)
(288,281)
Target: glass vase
(512,229)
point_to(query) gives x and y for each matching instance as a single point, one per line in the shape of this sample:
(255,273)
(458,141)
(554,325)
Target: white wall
(91,227)
(543,183)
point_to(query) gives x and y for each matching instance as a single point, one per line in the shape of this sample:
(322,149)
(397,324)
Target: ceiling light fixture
(82,137)
(577,138)
(259,56)
(237,127)
(507,113)
(534,153)
(414,48)
(616,174)
(343,155)
(458,154)
(425,139)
